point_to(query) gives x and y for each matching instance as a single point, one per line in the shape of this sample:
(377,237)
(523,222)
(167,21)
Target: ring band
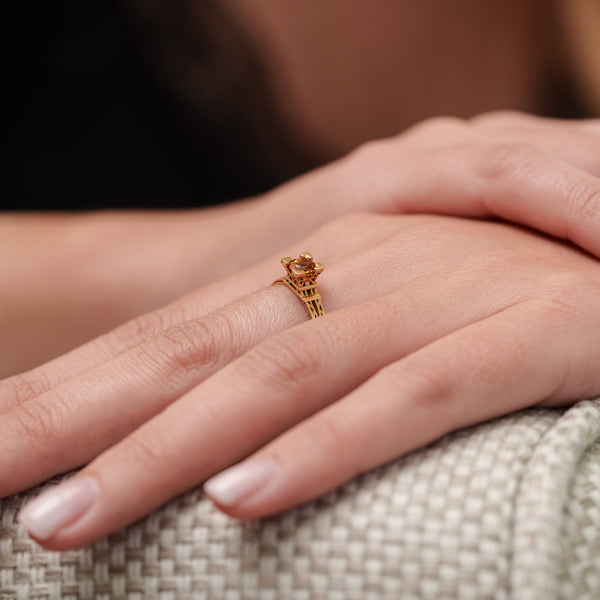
(301,278)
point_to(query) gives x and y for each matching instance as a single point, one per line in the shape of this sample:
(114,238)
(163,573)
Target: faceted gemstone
(301,267)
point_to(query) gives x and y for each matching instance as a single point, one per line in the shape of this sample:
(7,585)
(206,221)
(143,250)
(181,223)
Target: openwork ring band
(301,278)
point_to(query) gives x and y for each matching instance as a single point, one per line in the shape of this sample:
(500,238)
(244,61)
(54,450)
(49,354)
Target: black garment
(88,121)
(142,104)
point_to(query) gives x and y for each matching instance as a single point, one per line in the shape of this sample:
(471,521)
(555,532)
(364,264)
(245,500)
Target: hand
(69,277)
(433,324)
(542,173)
(97,270)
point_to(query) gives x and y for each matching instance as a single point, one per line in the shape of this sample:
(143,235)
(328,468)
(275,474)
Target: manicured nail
(237,482)
(57,507)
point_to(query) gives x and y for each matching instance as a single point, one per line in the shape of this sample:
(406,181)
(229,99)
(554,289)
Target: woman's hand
(538,172)
(433,323)
(67,279)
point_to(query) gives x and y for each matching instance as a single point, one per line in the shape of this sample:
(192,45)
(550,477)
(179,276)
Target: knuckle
(190,344)
(285,362)
(427,386)
(145,327)
(41,423)
(500,118)
(371,159)
(368,153)
(505,160)
(148,450)
(370,171)
(361,170)
(436,126)
(583,200)
(18,389)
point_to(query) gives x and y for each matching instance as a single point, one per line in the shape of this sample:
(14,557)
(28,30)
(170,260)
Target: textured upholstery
(506,510)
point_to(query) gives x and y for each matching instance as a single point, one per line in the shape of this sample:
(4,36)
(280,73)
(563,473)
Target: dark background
(94,115)
(89,122)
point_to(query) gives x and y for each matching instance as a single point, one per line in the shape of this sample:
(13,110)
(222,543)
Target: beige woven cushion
(506,510)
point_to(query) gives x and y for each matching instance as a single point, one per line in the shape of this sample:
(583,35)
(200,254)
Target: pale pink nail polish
(57,507)
(237,482)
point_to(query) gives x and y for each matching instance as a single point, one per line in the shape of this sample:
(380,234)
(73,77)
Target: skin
(426,317)
(100,289)
(371,85)
(98,270)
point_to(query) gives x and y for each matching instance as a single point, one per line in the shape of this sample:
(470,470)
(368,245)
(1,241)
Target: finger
(575,142)
(21,388)
(42,436)
(517,182)
(242,406)
(498,365)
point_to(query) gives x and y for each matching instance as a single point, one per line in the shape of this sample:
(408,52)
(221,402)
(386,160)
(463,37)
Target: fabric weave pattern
(506,510)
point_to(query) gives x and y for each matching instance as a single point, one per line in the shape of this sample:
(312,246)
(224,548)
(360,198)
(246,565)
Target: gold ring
(301,278)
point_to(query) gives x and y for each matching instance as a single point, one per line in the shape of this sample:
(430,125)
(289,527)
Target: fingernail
(237,482)
(57,507)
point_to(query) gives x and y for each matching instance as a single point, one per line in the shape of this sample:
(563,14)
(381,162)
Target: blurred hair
(137,103)
(216,73)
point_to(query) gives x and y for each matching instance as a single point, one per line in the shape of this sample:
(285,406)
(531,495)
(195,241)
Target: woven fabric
(507,510)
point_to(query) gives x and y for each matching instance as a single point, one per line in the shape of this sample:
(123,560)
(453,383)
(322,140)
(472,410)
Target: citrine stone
(302,267)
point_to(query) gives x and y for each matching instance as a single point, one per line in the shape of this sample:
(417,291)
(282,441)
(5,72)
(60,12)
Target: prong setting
(302,273)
